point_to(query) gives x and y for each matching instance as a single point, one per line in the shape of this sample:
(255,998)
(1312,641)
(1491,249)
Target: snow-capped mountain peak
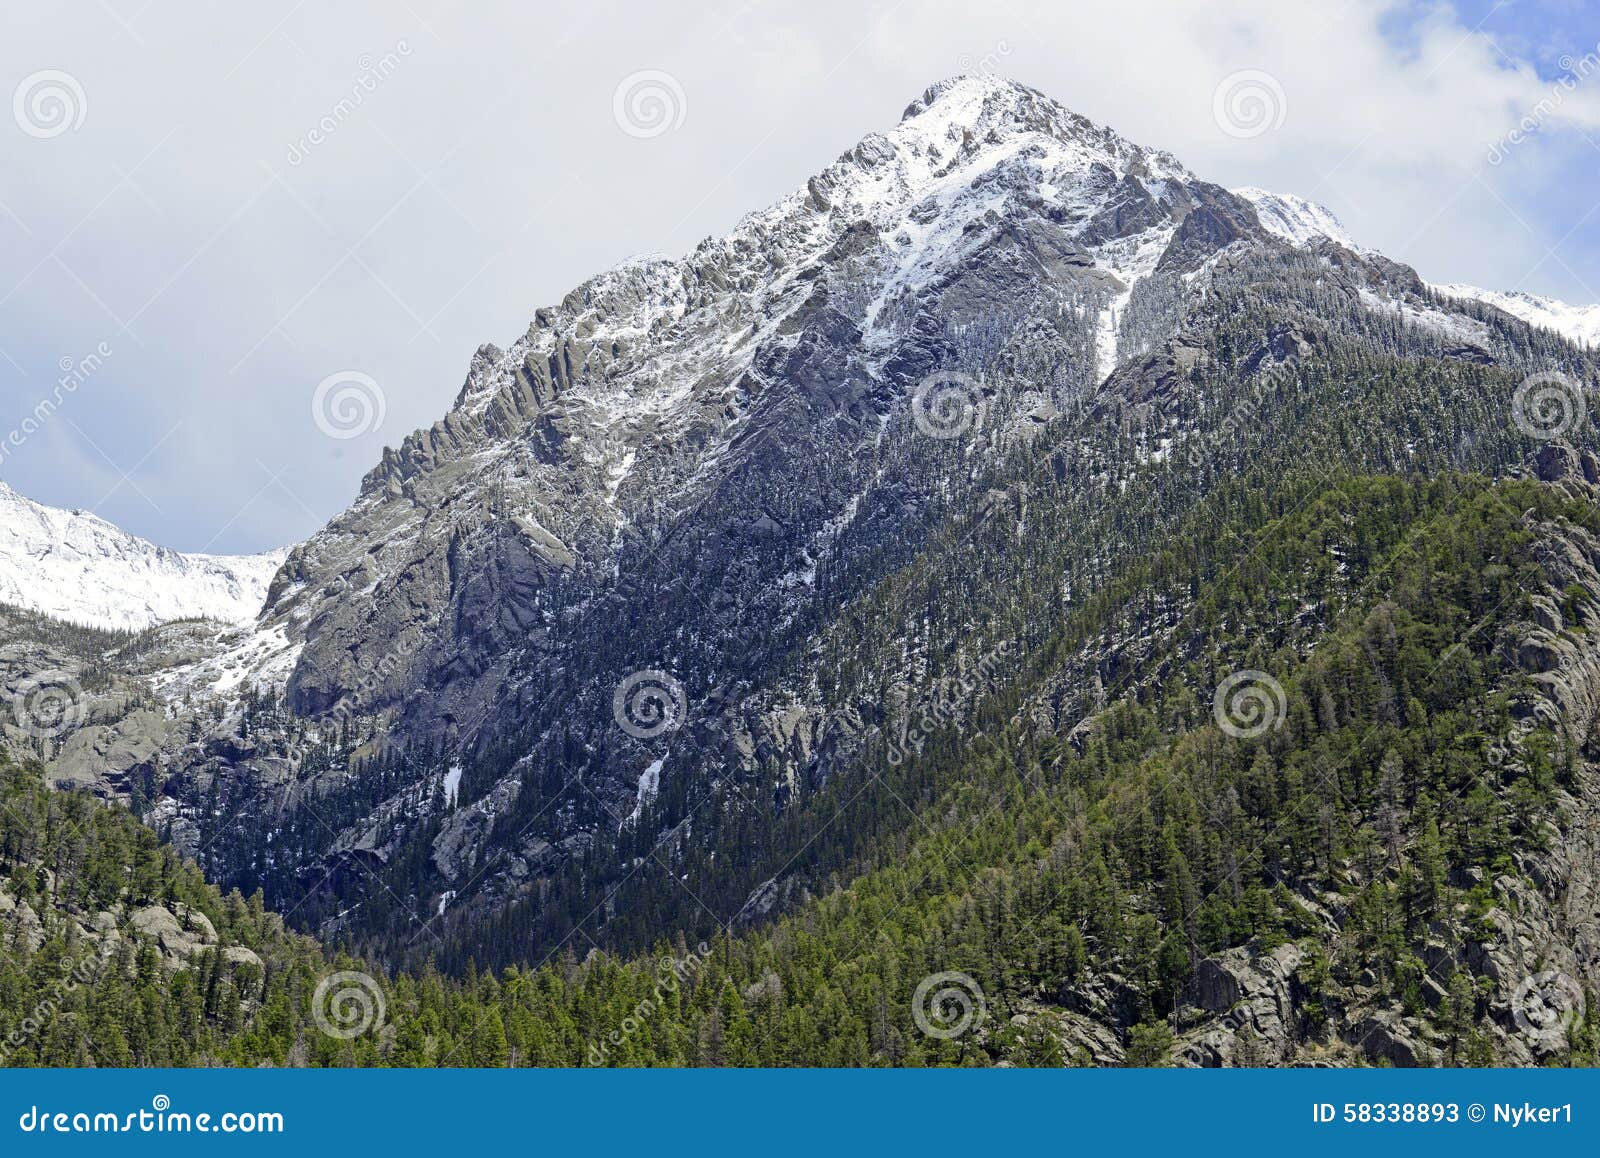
(961,153)
(75,566)
(968,115)
(816,317)
(1295,219)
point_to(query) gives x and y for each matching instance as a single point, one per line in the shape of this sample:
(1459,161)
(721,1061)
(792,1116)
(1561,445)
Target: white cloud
(483,175)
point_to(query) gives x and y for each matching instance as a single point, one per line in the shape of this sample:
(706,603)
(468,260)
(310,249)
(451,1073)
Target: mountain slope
(1295,219)
(710,593)
(75,566)
(663,386)
(713,475)
(1581,324)
(737,440)
(1303,222)
(1176,883)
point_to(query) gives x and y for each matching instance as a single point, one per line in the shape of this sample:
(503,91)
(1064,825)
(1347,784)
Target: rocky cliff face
(695,436)
(686,465)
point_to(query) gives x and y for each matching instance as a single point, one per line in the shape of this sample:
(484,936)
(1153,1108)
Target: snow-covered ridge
(959,151)
(648,348)
(1580,324)
(1301,222)
(1295,219)
(76,566)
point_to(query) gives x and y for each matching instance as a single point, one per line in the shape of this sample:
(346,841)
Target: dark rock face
(1214,218)
(1557,460)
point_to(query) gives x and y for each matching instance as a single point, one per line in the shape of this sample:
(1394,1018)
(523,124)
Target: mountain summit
(771,362)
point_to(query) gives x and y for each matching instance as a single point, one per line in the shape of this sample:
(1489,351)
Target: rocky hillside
(739,580)
(1580,324)
(1377,848)
(688,468)
(115,952)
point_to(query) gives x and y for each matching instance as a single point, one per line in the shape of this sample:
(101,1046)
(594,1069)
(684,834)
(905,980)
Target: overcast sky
(199,193)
